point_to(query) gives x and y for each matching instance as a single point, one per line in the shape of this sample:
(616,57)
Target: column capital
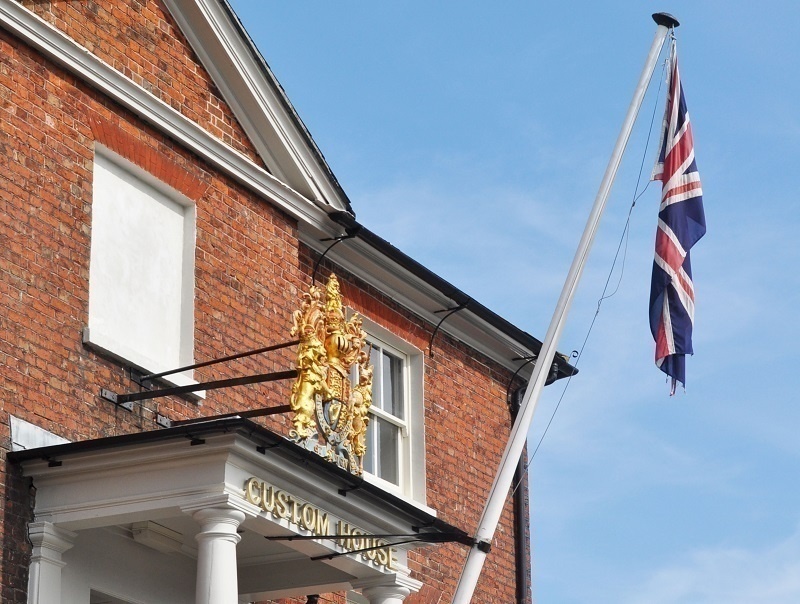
(50,541)
(219,514)
(216,581)
(388,589)
(44,577)
(218,523)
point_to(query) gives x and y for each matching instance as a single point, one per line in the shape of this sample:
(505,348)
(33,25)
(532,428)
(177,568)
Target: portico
(207,513)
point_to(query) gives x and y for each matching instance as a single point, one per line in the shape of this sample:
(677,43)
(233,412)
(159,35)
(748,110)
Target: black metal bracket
(263,449)
(114,398)
(124,400)
(350,233)
(364,549)
(146,380)
(449,312)
(141,379)
(462,538)
(527,360)
(484,546)
(354,487)
(244,414)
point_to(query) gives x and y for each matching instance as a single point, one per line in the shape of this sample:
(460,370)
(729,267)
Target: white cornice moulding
(80,62)
(421,299)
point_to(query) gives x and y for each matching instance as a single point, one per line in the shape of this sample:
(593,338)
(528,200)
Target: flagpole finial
(666,20)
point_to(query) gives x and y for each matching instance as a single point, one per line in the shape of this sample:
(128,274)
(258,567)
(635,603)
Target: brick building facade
(158,119)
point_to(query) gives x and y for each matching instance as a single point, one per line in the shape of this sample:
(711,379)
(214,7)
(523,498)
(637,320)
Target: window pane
(388,440)
(393,385)
(375,359)
(369,455)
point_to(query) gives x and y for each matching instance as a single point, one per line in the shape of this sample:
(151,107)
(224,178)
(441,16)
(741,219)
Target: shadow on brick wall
(17,513)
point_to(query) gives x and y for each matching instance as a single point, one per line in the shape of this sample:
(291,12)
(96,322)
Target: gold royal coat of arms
(331,412)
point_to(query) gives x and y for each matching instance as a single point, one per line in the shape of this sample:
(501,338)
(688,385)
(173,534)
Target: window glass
(388,448)
(395,439)
(377,381)
(393,385)
(385,433)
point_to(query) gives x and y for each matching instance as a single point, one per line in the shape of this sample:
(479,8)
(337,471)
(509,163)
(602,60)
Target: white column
(388,589)
(386,594)
(44,578)
(216,555)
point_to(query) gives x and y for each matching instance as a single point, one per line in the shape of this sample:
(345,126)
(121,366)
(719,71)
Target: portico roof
(150,486)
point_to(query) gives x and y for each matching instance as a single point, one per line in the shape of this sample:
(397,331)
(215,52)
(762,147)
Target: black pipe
(521,515)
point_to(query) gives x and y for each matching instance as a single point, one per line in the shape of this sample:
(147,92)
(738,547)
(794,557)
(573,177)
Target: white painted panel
(141,270)
(25,435)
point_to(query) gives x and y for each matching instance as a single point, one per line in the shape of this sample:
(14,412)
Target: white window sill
(397,492)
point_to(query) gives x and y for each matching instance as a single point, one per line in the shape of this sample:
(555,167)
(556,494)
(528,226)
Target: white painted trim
(25,435)
(255,97)
(421,299)
(79,61)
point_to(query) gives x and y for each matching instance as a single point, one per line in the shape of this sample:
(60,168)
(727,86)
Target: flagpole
(514,447)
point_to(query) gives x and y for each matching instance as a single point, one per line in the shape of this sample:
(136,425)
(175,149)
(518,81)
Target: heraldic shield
(331,413)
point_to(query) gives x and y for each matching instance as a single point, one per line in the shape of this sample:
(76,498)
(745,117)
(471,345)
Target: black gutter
(353,227)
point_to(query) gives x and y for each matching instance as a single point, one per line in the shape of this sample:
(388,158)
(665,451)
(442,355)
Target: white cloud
(729,575)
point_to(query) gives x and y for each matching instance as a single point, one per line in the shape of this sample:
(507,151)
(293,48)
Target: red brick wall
(249,269)
(139,38)
(465,412)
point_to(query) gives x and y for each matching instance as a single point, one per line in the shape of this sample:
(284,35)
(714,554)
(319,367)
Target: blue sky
(475,138)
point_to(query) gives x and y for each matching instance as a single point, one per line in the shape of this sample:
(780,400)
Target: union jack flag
(681,223)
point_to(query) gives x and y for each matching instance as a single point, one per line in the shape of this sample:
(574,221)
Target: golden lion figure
(310,382)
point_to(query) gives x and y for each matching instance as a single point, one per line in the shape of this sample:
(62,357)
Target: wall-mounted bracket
(114,398)
(449,312)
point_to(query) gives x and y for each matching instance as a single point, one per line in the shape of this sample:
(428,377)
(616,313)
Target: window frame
(411,457)
(399,423)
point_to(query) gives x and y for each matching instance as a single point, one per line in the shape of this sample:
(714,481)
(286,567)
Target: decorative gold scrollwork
(330,415)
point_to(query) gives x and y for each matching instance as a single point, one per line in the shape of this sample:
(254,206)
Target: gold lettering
(281,505)
(267,498)
(383,557)
(322,526)
(344,530)
(251,491)
(308,517)
(356,543)
(295,514)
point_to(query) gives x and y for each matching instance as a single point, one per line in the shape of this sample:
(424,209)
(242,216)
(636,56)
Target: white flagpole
(517,438)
